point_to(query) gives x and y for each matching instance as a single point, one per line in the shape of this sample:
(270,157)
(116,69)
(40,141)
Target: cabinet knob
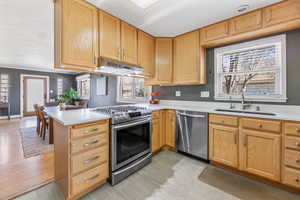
(297,144)
(297,161)
(223,121)
(260,125)
(298,130)
(297,180)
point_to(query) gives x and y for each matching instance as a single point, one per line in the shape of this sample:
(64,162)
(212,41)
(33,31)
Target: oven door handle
(117,127)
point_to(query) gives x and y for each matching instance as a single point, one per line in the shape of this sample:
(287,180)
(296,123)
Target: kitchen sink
(246,112)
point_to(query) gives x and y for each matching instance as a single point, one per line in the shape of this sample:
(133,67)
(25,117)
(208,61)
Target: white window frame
(60,90)
(131,100)
(79,79)
(259,43)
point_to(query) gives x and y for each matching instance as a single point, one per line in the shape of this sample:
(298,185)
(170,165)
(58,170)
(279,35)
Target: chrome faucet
(232,106)
(244,105)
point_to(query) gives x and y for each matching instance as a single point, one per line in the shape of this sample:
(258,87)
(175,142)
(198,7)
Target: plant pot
(62,106)
(77,103)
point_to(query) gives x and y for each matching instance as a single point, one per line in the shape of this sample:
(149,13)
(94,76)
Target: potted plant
(68,97)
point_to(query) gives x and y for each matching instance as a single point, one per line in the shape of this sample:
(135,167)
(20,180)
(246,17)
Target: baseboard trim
(12,117)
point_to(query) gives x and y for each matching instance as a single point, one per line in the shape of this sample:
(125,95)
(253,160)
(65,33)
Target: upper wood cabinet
(215,31)
(221,138)
(187,58)
(281,12)
(164,60)
(146,53)
(110,36)
(76,35)
(129,43)
(260,153)
(244,23)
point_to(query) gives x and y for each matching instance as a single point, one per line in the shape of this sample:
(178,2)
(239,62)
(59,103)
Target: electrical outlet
(178,93)
(204,94)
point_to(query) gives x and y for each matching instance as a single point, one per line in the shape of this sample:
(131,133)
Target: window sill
(267,100)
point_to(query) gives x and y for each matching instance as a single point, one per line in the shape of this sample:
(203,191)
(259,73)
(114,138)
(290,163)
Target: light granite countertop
(72,117)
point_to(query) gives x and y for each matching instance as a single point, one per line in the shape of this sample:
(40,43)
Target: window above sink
(258,67)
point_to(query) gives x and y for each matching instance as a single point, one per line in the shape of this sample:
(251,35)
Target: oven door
(130,141)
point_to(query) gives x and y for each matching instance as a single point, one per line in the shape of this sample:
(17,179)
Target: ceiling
(27,27)
(169,18)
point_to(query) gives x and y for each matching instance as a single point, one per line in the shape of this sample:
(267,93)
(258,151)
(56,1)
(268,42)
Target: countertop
(72,117)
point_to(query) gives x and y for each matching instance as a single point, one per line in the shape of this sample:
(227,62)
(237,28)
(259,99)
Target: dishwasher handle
(190,115)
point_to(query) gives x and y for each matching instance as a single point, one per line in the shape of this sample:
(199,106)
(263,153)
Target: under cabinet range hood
(118,69)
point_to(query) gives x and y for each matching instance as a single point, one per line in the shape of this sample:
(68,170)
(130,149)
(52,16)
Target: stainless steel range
(130,139)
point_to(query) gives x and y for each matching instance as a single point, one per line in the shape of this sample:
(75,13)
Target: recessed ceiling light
(144,3)
(243,8)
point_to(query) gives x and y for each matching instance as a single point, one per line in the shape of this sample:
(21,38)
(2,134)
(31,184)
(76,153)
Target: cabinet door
(155,135)
(281,12)
(146,53)
(170,128)
(110,36)
(260,153)
(79,34)
(223,145)
(215,31)
(247,22)
(187,58)
(164,60)
(129,43)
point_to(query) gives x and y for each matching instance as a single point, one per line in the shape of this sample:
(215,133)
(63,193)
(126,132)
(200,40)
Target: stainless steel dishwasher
(192,133)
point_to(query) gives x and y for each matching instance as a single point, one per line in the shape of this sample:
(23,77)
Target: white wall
(27,33)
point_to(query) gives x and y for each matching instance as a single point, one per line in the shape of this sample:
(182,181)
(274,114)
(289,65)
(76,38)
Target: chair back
(41,114)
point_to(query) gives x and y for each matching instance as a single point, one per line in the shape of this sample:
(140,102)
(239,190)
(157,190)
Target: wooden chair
(38,120)
(44,121)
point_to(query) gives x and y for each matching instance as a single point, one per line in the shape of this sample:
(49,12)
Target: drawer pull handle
(91,160)
(91,143)
(92,178)
(92,130)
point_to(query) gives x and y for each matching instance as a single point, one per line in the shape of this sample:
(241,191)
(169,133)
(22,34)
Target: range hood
(118,69)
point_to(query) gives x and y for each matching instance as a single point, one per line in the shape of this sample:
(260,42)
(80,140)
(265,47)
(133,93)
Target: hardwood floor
(17,174)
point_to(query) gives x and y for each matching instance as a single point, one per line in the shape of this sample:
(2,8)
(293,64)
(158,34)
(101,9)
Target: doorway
(34,91)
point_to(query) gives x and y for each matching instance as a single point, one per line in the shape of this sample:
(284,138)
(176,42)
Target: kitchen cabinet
(170,128)
(216,31)
(260,153)
(187,59)
(281,12)
(76,35)
(146,53)
(129,43)
(245,23)
(163,63)
(155,135)
(81,155)
(223,137)
(110,36)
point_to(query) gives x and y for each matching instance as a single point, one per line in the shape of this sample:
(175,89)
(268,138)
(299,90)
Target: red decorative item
(154,101)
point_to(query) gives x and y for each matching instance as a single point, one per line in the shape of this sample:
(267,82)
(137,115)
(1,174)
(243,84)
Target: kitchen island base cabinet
(81,155)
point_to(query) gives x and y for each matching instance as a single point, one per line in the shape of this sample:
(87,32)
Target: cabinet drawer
(89,159)
(292,142)
(291,177)
(292,129)
(261,125)
(155,115)
(89,130)
(223,119)
(90,142)
(292,158)
(89,178)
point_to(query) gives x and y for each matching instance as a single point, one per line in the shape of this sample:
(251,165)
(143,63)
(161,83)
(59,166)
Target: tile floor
(170,176)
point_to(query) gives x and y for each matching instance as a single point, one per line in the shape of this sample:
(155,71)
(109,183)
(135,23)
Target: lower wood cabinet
(223,145)
(260,153)
(156,143)
(170,128)
(81,155)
